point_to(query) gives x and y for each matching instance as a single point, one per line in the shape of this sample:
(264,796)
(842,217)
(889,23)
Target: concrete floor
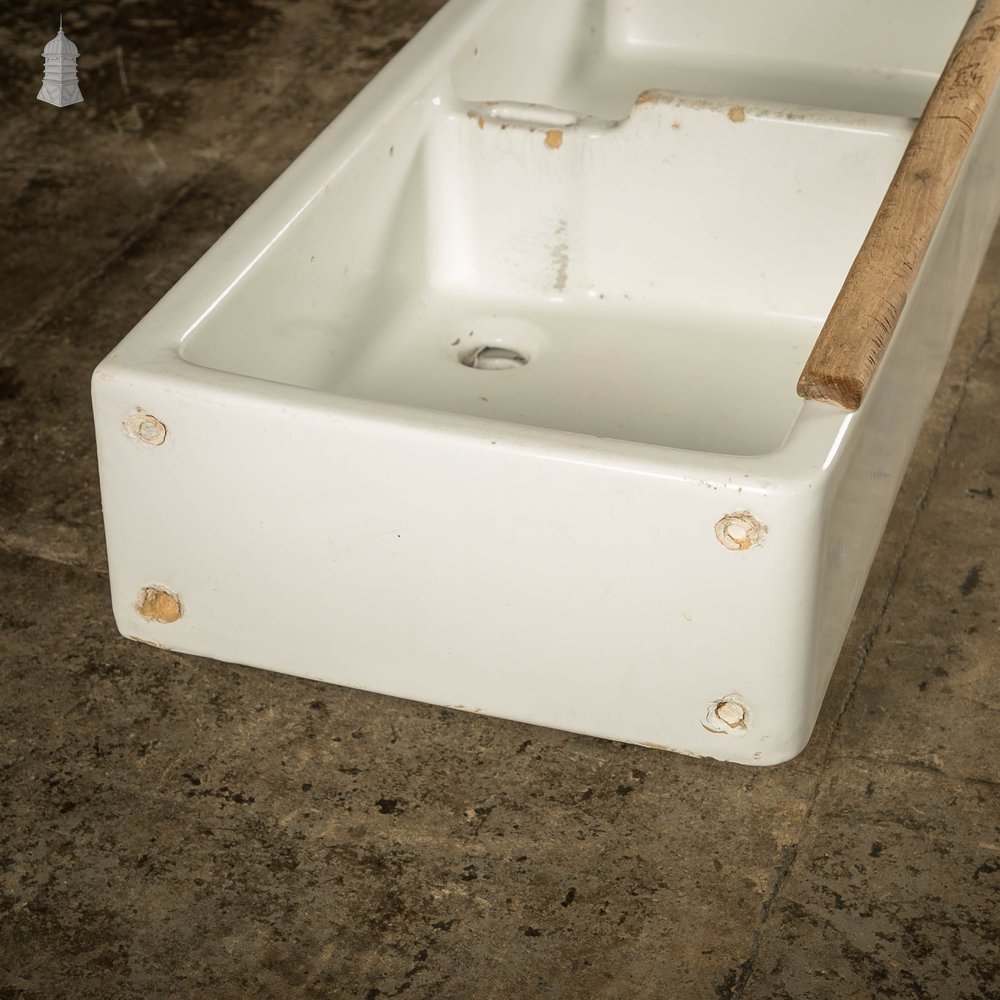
(176,827)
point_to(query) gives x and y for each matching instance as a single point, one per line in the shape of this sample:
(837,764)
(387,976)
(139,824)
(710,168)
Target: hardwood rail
(855,335)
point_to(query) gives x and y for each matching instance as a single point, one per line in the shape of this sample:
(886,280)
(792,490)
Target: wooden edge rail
(857,331)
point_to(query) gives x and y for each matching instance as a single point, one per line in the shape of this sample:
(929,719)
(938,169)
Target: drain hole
(493,358)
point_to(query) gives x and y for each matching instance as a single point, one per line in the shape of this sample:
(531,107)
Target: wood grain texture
(856,334)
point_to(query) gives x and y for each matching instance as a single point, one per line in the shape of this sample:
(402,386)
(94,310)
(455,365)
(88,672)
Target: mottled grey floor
(175,827)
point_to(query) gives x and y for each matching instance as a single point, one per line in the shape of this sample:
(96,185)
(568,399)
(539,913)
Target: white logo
(59,86)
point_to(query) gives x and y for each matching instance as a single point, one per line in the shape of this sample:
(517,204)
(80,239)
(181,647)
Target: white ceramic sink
(490,400)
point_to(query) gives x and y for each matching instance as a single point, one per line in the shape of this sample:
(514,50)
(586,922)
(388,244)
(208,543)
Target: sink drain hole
(495,359)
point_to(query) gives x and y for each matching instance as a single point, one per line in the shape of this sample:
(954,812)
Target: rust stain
(646,97)
(482,121)
(740,530)
(737,114)
(148,642)
(156,604)
(676,125)
(554,138)
(660,746)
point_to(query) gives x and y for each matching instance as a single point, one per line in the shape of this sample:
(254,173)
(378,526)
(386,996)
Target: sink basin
(490,400)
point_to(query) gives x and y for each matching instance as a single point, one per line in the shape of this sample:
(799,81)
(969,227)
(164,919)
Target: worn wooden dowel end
(856,334)
(842,390)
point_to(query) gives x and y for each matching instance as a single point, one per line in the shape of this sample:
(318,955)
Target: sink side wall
(865,475)
(596,56)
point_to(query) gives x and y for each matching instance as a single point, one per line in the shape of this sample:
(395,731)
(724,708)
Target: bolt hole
(151,431)
(732,714)
(740,531)
(144,427)
(728,715)
(738,534)
(487,358)
(159,605)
